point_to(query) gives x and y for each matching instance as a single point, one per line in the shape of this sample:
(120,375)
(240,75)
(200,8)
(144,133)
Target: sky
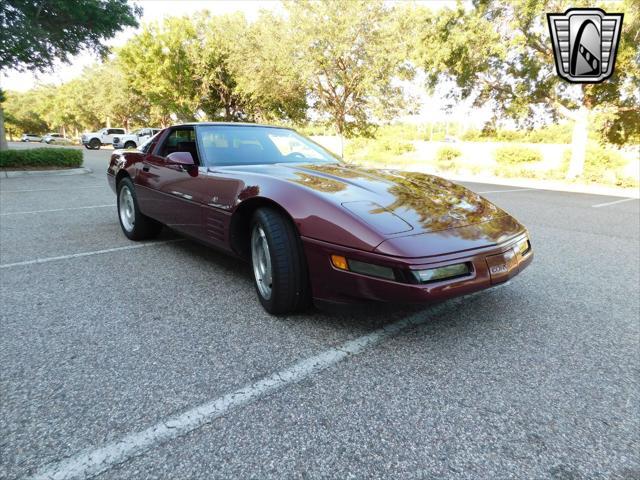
(157,10)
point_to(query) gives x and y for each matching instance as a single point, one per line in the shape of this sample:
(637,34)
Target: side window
(118,131)
(180,140)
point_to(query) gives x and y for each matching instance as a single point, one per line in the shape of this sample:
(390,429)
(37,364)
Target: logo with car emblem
(585,43)
(502,268)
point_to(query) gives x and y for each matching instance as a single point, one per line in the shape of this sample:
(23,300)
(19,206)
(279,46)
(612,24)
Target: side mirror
(181,158)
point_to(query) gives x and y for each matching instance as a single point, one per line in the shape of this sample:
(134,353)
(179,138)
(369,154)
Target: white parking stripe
(52,189)
(57,210)
(513,190)
(613,203)
(89,463)
(88,254)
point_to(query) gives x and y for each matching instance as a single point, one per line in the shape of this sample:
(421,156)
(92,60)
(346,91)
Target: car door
(144,135)
(110,133)
(169,190)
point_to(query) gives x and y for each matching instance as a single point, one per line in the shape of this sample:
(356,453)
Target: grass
(34,158)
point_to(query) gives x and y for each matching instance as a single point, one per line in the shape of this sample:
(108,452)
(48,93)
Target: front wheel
(135,225)
(278,261)
(130,144)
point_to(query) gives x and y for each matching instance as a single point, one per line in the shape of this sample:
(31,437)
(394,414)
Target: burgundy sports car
(315,228)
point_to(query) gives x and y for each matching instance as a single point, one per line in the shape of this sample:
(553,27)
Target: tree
(210,56)
(35,34)
(268,82)
(3,136)
(348,53)
(500,52)
(157,65)
(22,111)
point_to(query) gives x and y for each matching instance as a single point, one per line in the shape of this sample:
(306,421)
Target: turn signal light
(339,262)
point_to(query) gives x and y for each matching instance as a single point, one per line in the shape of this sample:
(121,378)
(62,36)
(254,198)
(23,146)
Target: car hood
(394,201)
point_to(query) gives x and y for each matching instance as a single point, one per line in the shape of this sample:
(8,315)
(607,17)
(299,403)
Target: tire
(94,144)
(130,144)
(279,271)
(134,224)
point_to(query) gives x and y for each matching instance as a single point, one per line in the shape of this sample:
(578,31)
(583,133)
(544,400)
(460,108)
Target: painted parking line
(52,189)
(599,205)
(92,462)
(57,210)
(512,190)
(88,254)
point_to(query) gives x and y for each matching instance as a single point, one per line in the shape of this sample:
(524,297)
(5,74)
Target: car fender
(313,215)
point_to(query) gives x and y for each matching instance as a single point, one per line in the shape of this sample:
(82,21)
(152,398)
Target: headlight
(371,269)
(441,273)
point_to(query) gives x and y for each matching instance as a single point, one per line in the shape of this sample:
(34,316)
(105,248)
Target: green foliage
(268,80)
(560,133)
(516,155)
(41,157)
(499,53)
(395,146)
(156,64)
(217,68)
(446,158)
(603,165)
(514,171)
(24,112)
(35,34)
(385,149)
(349,53)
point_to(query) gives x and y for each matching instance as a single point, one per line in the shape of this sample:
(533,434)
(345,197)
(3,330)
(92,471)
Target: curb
(551,185)
(557,186)
(42,173)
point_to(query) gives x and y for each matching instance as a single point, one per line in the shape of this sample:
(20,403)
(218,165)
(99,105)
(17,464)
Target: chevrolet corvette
(313,227)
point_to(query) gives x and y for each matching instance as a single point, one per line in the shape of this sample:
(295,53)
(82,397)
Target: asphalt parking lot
(115,356)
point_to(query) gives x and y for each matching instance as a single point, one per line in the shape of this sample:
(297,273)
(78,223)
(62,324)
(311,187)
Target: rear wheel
(95,144)
(279,266)
(130,144)
(135,225)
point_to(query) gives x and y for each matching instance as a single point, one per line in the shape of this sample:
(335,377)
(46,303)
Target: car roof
(229,124)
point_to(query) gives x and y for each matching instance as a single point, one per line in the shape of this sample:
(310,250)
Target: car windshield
(230,145)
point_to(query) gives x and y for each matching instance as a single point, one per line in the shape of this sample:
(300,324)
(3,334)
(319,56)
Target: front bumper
(490,266)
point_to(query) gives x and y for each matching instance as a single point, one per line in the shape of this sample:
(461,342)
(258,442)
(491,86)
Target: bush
(446,157)
(602,165)
(515,155)
(548,134)
(394,146)
(41,157)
